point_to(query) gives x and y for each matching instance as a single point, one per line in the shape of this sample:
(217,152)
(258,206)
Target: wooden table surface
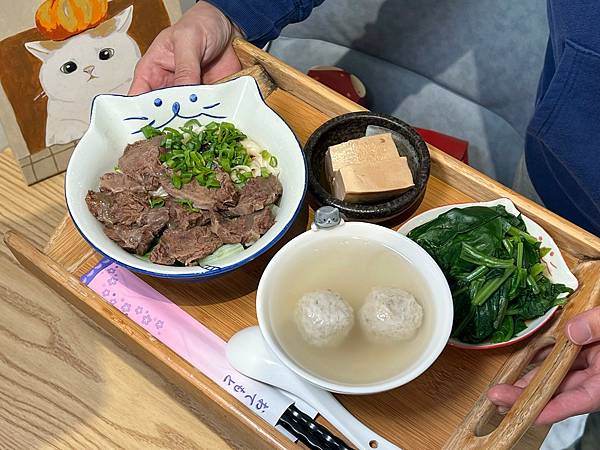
(64,383)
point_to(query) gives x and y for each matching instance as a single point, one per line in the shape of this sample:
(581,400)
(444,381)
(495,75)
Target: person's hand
(579,392)
(196,49)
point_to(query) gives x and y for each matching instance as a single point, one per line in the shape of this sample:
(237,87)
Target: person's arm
(263,20)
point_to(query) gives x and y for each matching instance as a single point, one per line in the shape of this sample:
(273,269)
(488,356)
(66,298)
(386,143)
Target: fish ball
(390,314)
(323,318)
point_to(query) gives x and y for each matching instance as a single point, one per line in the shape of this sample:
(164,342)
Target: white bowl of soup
(355,308)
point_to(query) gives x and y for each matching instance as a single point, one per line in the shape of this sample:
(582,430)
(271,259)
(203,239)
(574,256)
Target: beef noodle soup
(188,196)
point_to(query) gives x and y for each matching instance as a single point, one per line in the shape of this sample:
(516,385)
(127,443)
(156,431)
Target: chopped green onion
(187,204)
(544,251)
(212,182)
(264,172)
(156,202)
(149,131)
(273,161)
(176,180)
(196,154)
(197,158)
(225,164)
(192,122)
(171,130)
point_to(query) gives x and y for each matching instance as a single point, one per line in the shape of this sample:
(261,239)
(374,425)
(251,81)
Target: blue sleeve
(262,20)
(562,141)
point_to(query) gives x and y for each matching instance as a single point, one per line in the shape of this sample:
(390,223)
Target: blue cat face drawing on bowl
(176,109)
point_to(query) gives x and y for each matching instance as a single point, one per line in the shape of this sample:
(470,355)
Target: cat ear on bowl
(123,19)
(38,49)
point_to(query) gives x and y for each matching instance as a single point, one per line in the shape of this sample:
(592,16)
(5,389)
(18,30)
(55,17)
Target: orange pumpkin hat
(61,19)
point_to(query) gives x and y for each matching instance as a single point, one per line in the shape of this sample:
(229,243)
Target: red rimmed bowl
(558,271)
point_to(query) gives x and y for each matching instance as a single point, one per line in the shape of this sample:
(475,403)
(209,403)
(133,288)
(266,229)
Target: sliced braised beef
(156,219)
(140,161)
(208,199)
(133,239)
(119,182)
(182,218)
(183,231)
(125,208)
(185,246)
(258,193)
(129,208)
(242,229)
(100,205)
(138,238)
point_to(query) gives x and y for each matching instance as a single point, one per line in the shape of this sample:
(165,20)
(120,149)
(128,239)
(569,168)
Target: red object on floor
(340,81)
(448,144)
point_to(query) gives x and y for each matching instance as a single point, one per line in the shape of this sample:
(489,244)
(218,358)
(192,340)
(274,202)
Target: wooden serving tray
(445,407)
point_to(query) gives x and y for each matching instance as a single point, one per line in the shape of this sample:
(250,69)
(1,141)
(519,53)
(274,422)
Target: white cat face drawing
(100,60)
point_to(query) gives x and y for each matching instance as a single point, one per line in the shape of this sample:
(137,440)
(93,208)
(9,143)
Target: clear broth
(351,267)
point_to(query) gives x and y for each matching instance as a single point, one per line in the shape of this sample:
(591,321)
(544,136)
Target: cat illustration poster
(78,49)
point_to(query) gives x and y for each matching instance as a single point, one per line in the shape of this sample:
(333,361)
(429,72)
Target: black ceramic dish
(352,126)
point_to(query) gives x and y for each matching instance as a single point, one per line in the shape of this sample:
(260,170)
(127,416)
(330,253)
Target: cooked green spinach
(494,269)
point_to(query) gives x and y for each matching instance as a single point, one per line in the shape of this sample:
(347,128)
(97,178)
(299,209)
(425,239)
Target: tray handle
(542,387)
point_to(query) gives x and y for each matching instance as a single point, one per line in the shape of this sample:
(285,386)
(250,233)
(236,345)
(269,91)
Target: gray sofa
(468,68)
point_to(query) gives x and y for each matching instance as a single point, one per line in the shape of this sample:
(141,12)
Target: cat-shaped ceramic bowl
(117,120)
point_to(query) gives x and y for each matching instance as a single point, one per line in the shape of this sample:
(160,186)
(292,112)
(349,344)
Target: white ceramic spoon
(248,353)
